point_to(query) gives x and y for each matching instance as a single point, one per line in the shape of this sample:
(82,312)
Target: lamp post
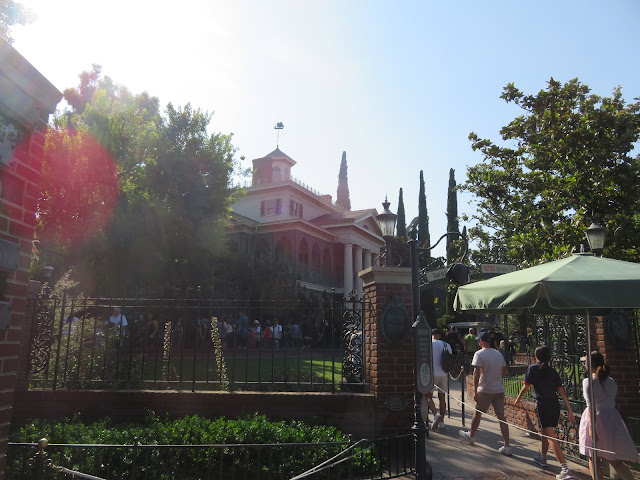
(387,222)
(47,274)
(459,273)
(595,236)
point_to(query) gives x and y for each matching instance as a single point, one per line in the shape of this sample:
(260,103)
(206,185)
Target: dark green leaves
(565,160)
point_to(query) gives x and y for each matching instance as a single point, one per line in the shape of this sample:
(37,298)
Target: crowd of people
(147,331)
(489,362)
(241,333)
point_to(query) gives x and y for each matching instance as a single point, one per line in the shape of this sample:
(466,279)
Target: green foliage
(566,160)
(190,462)
(90,355)
(342,197)
(423,217)
(454,246)
(401,223)
(13,13)
(125,185)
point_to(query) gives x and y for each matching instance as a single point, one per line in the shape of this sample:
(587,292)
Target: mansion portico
(280,220)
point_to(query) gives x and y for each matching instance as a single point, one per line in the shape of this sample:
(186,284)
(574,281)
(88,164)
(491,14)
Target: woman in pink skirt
(611,432)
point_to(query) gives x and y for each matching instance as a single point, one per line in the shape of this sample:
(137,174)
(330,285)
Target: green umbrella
(582,283)
(563,287)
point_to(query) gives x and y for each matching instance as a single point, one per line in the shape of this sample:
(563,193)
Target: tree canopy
(401,222)
(13,13)
(131,196)
(423,217)
(565,162)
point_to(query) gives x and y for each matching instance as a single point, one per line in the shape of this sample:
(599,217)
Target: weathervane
(279,126)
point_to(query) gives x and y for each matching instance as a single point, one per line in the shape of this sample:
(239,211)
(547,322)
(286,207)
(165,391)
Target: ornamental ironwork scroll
(566,336)
(41,335)
(353,354)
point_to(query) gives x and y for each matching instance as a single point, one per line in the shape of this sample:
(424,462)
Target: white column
(348,269)
(358,267)
(366,259)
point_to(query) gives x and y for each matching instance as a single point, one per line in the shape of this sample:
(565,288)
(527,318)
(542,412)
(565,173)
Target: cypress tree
(423,217)
(452,219)
(401,223)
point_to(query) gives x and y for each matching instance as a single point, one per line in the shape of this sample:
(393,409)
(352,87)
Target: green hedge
(183,463)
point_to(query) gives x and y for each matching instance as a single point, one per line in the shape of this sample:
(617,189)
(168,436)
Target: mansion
(323,243)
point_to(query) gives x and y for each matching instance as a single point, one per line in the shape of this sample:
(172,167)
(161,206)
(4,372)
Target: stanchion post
(40,459)
(423,366)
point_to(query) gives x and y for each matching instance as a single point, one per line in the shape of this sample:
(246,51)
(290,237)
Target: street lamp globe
(47,272)
(595,236)
(387,221)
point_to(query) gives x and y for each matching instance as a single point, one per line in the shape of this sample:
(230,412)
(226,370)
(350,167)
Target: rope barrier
(522,428)
(75,473)
(329,463)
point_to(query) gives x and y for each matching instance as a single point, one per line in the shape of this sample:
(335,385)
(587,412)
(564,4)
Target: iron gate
(74,346)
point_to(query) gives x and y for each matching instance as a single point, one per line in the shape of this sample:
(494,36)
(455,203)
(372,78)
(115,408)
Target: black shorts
(548,412)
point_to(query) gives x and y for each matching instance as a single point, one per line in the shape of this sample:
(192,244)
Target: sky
(396,85)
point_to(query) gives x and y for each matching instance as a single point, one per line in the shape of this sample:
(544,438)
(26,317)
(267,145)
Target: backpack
(453,341)
(448,360)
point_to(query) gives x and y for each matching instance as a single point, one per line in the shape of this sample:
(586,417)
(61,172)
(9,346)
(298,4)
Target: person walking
(489,366)
(439,380)
(277,333)
(471,342)
(546,382)
(611,432)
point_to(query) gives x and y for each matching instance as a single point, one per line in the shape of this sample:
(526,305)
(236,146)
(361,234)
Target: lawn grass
(245,370)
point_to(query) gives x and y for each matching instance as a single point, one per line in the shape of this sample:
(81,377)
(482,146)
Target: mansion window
(270,207)
(295,209)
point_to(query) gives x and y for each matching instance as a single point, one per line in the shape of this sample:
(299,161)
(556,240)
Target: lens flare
(79,187)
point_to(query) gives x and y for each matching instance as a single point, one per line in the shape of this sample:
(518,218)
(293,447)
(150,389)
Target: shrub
(195,459)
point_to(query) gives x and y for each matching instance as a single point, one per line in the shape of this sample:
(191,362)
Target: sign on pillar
(423,356)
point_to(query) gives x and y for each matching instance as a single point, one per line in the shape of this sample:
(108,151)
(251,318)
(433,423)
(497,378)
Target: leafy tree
(567,160)
(13,13)
(401,222)
(131,196)
(423,218)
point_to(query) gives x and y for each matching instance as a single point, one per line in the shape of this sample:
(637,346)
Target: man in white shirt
(439,380)
(277,333)
(117,318)
(487,381)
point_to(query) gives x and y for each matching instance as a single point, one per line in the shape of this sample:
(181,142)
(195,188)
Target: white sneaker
(442,427)
(437,418)
(540,459)
(467,437)
(505,451)
(564,475)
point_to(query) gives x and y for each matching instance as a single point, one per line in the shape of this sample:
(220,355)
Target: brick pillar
(624,366)
(26,100)
(389,368)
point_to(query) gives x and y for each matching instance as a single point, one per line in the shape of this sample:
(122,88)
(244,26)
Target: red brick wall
(389,368)
(18,201)
(352,412)
(624,368)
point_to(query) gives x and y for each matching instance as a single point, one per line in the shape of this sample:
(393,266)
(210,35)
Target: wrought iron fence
(566,336)
(383,458)
(196,343)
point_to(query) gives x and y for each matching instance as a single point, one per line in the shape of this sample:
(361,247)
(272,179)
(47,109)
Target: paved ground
(453,458)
